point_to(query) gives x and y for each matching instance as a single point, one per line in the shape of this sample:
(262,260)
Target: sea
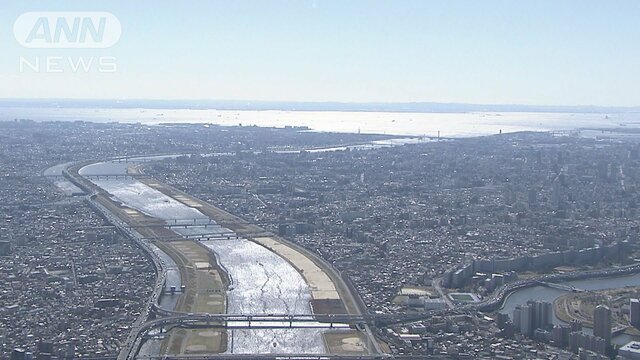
(454,124)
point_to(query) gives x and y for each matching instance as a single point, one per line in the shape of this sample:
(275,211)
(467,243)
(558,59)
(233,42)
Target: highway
(129,348)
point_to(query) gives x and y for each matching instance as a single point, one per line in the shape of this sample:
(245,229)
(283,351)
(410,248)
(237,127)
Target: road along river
(261,274)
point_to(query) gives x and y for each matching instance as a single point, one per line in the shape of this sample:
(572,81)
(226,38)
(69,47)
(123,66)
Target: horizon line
(401,106)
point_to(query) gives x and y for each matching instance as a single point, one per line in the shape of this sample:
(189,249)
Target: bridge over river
(202,240)
(565,287)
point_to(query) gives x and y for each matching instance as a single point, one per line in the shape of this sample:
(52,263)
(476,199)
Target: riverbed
(262,282)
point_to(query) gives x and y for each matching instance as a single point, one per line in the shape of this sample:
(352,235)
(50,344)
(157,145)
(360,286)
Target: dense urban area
(440,227)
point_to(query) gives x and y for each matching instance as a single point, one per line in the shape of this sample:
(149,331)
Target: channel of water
(262,282)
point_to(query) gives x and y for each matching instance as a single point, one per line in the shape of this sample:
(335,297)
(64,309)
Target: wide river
(262,282)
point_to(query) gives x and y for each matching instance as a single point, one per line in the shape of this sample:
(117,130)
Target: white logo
(67,30)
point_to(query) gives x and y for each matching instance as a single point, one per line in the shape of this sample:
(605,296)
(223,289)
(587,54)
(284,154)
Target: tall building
(575,325)
(18,354)
(526,320)
(578,340)
(542,312)
(531,197)
(561,335)
(602,323)
(556,192)
(634,312)
(5,247)
(516,317)
(502,320)
(533,315)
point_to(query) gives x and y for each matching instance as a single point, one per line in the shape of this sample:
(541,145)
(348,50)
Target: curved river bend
(262,282)
(543,293)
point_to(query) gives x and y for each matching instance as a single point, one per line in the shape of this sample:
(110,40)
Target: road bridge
(618,330)
(108,177)
(262,321)
(178,226)
(377,319)
(174,226)
(565,287)
(289,357)
(200,237)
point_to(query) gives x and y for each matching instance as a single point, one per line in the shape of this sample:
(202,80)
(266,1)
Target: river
(262,282)
(543,293)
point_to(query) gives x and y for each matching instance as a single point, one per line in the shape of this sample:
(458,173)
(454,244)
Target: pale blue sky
(554,52)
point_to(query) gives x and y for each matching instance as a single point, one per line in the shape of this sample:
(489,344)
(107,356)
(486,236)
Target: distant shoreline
(401,124)
(323,106)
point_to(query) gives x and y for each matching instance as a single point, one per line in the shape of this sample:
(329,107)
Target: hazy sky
(529,52)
